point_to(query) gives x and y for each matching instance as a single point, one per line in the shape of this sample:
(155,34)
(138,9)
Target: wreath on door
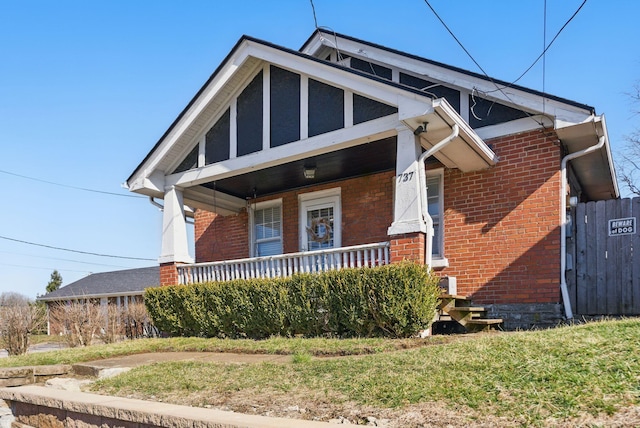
(320,230)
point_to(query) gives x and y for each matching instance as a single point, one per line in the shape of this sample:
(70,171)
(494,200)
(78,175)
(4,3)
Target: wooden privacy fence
(603,258)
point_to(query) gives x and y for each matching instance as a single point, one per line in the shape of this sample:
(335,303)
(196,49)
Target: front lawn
(578,375)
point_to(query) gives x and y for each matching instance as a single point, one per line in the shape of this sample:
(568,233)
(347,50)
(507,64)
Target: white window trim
(439,261)
(306,200)
(260,206)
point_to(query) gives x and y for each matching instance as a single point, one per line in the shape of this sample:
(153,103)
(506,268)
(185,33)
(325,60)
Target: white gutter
(563,221)
(422,177)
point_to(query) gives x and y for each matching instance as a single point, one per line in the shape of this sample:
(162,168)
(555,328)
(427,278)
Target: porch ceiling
(355,161)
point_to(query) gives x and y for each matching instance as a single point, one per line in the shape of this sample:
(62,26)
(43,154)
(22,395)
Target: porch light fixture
(309,171)
(420,129)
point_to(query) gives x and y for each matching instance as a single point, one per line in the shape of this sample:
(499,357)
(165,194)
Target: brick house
(348,153)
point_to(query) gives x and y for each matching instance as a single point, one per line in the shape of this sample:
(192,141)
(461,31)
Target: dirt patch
(336,409)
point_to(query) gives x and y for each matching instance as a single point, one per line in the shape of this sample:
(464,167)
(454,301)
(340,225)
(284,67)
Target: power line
(69,186)
(498,88)
(44,268)
(313,8)
(545,48)
(458,41)
(64,260)
(75,251)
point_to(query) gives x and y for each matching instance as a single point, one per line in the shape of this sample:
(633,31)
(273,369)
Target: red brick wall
(168,274)
(220,237)
(367,212)
(409,246)
(502,235)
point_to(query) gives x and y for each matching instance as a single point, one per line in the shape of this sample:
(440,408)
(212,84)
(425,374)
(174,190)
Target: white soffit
(594,171)
(467,152)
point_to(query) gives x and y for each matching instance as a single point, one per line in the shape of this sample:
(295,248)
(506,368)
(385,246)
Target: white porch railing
(284,265)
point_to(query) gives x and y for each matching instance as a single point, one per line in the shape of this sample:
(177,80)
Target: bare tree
(111,330)
(19,317)
(79,320)
(136,321)
(629,164)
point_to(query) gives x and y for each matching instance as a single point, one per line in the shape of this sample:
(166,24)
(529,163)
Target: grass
(277,345)
(530,376)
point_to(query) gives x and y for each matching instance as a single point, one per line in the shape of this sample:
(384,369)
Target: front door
(320,222)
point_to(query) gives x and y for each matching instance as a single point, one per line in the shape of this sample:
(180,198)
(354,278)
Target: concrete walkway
(110,366)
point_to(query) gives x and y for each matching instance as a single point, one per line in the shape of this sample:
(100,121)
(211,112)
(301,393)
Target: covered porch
(289,164)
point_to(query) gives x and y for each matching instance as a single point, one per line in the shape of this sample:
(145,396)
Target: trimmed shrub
(394,301)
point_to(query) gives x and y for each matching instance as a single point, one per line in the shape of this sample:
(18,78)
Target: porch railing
(284,265)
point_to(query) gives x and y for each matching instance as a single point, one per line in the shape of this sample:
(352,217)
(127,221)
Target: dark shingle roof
(121,282)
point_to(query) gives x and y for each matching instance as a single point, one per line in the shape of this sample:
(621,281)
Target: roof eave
(594,171)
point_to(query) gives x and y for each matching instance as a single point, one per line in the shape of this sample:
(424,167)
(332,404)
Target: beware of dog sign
(622,226)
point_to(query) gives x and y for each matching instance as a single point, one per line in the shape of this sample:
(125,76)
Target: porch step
(454,296)
(453,307)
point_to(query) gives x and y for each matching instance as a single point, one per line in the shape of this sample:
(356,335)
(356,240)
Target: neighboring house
(348,153)
(118,288)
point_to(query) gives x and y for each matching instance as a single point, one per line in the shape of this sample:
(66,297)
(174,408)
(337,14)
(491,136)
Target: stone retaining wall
(40,407)
(18,376)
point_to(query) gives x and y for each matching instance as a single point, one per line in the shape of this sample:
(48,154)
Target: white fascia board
(329,74)
(331,141)
(148,184)
(187,119)
(515,98)
(607,147)
(444,110)
(513,127)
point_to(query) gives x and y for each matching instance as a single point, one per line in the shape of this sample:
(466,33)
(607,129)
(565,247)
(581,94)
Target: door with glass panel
(320,227)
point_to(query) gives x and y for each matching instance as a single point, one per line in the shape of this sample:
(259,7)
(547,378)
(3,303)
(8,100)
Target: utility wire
(64,260)
(45,268)
(68,186)
(545,49)
(313,8)
(75,251)
(458,41)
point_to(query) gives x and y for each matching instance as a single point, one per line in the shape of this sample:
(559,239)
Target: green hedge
(394,301)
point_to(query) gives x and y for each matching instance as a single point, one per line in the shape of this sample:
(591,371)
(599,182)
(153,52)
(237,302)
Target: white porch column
(175,248)
(407,214)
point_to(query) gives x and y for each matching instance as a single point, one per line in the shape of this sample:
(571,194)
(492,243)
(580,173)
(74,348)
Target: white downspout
(563,222)
(422,177)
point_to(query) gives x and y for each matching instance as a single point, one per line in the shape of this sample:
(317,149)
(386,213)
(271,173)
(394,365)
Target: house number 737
(405,177)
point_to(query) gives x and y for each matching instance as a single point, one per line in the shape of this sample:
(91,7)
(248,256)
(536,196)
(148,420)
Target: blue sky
(88,87)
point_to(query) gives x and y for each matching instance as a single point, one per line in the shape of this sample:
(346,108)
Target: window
(435,206)
(266,229)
